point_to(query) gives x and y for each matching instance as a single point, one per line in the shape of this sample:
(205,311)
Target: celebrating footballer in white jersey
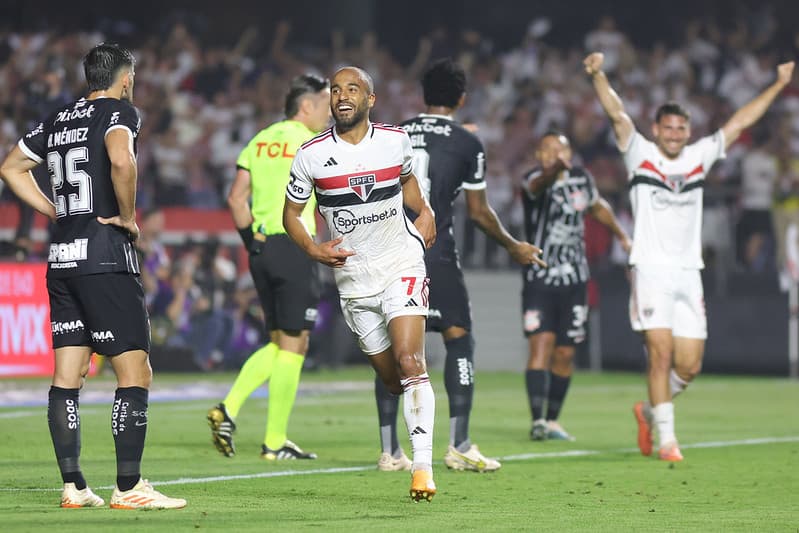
(361,173)
(359,194)
(666,300)
(666,197)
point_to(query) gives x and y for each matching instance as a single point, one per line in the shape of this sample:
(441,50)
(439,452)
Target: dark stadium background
(398,23)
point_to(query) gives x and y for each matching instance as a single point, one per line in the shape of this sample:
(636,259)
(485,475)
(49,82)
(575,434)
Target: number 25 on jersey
(61,168)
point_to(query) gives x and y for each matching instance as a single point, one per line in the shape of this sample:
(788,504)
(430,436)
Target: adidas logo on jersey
(411,303)
(418,431)
(330,162)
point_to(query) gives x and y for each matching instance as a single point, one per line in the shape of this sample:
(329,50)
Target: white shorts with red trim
(368,317)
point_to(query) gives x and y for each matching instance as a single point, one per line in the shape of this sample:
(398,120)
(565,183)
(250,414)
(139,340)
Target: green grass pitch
(740,439)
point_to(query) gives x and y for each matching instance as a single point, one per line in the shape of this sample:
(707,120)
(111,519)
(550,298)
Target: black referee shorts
(559,310)
(105,311)
(449,300)
(287,283)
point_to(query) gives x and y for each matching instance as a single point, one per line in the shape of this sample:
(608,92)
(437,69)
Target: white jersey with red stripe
(359,194)
(666,198)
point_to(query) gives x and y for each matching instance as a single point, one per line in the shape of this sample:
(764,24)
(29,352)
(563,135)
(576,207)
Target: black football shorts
(105,311)
(287,283)
(560,310)
(449,300)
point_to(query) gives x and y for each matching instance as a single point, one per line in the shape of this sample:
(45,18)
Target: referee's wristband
(246,235)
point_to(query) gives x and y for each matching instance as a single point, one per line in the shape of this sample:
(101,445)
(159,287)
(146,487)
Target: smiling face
(351,98)
(671,134)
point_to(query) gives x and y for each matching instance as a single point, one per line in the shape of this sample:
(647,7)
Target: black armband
(246,236)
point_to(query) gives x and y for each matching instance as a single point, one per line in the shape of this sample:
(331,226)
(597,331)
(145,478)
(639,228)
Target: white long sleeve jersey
(359,194)
(666,198)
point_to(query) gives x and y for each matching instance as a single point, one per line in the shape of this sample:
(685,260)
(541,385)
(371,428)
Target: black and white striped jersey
(71,141)
(553,221)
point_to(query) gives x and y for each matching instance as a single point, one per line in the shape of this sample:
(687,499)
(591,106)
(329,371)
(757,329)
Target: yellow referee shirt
(268,159)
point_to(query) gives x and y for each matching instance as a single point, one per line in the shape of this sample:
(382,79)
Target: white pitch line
(547,455)
(517,457)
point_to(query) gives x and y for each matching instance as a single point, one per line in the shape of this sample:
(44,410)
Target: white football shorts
(368,317)
(668,298)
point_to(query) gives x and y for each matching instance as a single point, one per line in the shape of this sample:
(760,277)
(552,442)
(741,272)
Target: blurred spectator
(155,263)
(190,312)
(785,210)
(170,166)
(200,95)
(248,331)
(754,234)
(607,38)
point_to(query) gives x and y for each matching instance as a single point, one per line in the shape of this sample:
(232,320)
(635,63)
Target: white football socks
(676,384)
(419,406)
(663,414)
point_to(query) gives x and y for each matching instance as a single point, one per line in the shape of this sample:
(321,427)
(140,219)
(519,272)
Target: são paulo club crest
(362,185)
(677,181)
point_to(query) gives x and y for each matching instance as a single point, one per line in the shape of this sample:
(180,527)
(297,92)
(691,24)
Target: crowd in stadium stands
(201,102)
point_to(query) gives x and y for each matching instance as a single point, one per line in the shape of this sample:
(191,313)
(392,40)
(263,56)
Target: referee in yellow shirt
(281,270)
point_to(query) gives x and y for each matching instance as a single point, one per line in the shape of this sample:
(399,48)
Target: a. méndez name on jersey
(72,143)
(446,158)
(666,199)
(553,220)
(359,194)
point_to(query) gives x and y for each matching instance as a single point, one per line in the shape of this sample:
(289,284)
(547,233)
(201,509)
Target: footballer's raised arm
(753,110)
(623,127)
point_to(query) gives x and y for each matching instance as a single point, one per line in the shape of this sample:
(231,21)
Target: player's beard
(346,124)
(669,149)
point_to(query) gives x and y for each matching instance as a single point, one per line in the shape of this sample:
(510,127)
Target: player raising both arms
(361,174)
(666,298)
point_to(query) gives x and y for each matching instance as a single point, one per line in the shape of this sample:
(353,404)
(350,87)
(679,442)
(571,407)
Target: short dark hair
(554,132)
(102,64)
(300,86)
(672,108)
(443,83)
